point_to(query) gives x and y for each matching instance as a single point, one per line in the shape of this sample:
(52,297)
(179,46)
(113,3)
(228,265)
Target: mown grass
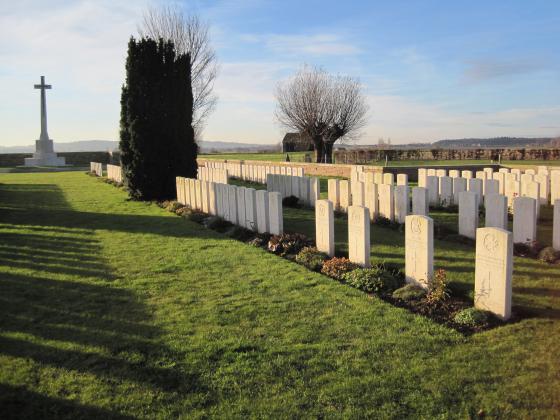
(113,308)
(299,157)
(273,157)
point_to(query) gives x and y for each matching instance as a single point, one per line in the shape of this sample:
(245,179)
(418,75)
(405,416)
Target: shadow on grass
(14,401)
(59,308)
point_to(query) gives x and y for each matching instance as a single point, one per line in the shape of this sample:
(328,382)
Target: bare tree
(190,35)
(324,107)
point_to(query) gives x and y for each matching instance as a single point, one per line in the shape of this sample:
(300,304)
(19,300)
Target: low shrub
(288,243)
(437,288)
(337,267)
(372,280)
(529,249)
(197,216)
(239,233)
(312,258)
(549,255)
(387,223)
(217,223)
(409,292)
(173,206)
(291,201)
(183,211)
(471,317)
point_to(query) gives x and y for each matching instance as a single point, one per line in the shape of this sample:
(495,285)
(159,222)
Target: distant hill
(497,142)
(105,145)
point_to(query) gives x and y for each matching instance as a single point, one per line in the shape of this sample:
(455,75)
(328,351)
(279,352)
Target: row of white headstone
(254,173)
(96,168)
(493,262)
(306,189)
(114,172)
(217,175)
(382,200)
(257,210)
(543,185)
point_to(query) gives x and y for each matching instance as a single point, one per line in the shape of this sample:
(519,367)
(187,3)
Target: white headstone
(524,220)
(496,209)
(250,209)
(531,189)
(386,201)
(389,179)
(314,191)
(544,187)
(334,193)
(441,172)
(454,173)
(501,178)
(512,189)
(556,226)
(402,179)
(554,186)
(466,174)
(493,271)
(401,203)
(475,186)
(419,250)
(445,191)
(358,235)
(357,193)
(491,186)
(324,226)
(241,219)
(468,214)
(262,211)
(212,198)
(422,174)
(345,195)
(275,215)
(371,200)
(432,184)
(459,185)
(304,190)
(420,204)
(231,203)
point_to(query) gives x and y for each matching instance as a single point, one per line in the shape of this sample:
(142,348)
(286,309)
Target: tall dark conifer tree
(156,135)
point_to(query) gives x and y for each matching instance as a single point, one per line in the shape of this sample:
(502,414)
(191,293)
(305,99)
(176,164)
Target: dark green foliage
(156,134)
(311,258)
(530,249)
(217,223)
(291,201)
(409,292)
(372,280)
(471,317)
(197,216)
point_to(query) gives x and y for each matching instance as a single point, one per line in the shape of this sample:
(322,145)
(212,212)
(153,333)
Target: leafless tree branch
(190,35)
(326,108)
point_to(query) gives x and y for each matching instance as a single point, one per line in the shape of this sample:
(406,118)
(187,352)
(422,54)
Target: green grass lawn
(118,309)
(299,157)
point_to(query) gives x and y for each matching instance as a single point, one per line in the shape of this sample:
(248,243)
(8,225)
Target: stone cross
(43,87)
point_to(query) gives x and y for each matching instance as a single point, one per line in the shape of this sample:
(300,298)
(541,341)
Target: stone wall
(72,158)
(371,156)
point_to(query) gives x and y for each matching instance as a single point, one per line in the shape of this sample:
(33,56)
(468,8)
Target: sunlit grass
(117,308)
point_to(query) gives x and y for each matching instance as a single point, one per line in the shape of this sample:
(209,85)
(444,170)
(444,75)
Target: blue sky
(430,69)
